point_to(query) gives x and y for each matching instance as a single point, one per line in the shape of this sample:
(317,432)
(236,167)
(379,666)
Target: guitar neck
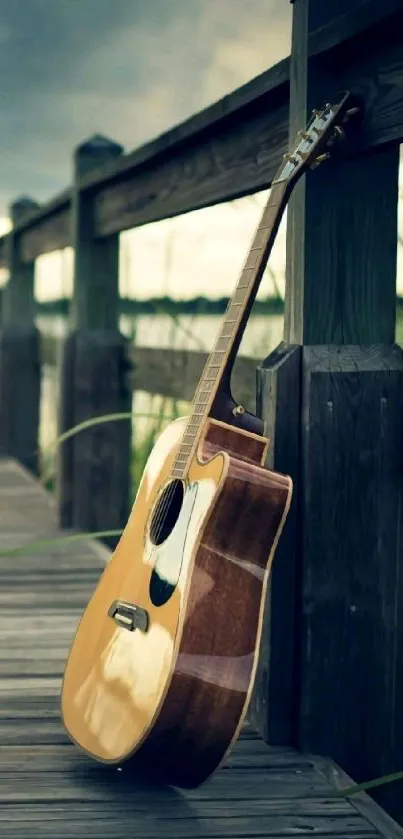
(222,356)
(311,149)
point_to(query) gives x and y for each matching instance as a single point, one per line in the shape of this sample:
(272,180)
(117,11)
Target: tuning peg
(350,113)
(305,136)
(316,112)
(289,158)
(320,159)
(339,132)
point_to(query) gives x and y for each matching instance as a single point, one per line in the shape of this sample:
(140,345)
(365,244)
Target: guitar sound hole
(167,512)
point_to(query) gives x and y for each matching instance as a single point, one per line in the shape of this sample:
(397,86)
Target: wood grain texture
(360,800)
(168,372)
(62,354)
(94,303)
(342,221)
(358,16)
(197,658)
(48,788)
(205,702)
(38,218)
(237,160)
(274,702)
(20,371)
(94,485)
(50,233)
(17,305)
(351,631)
(20,382)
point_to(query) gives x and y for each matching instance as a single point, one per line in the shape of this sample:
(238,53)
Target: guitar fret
(254,257)
(212,372)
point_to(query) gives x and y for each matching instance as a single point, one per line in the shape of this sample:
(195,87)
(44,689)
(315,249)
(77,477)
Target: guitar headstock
(315,144)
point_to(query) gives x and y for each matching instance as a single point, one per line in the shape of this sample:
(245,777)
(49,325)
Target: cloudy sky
(125,68)
(131,69)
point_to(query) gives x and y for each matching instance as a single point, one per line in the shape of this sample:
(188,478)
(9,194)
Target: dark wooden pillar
(347,662)
(94,466)
(19,354)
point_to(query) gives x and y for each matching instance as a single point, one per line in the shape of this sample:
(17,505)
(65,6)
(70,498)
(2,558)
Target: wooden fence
(167,372)
(330,677)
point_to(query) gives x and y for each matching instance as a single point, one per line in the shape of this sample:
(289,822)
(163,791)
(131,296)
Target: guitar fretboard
(312,147)
(232,327)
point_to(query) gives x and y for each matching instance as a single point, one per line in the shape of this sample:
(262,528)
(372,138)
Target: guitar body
(173,691)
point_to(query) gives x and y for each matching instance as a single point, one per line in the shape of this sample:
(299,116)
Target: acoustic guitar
(162,666)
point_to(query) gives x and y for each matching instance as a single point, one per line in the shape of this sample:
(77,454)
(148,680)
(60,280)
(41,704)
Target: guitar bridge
(128,616)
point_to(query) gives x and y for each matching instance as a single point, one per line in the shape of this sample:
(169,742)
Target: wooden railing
(331,667)
(168,372)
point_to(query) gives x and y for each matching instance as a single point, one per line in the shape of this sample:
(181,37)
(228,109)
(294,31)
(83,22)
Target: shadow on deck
(48,788)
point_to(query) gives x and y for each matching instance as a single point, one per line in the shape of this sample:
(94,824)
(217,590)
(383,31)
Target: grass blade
(20,550)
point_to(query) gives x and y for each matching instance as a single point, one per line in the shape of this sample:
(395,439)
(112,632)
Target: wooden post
(19,354)
(272,708)
(94,466)
(340,307)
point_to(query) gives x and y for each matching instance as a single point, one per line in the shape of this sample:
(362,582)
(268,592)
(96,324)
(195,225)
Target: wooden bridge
(48,788)
(330,678)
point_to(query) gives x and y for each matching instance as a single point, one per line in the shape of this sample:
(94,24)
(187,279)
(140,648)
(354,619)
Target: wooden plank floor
(48,788)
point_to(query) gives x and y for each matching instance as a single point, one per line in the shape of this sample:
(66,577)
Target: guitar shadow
(130,790)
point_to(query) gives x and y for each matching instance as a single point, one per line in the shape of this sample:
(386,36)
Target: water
(196,332)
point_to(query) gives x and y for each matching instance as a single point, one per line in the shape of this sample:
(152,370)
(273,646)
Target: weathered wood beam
(362,16)
(168,372)
(242,155)
(232,148)
(19,353)
(53,233)
(94,468)
(340,305)
(43,229)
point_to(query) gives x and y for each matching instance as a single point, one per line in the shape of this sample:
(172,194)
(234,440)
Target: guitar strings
(158,524)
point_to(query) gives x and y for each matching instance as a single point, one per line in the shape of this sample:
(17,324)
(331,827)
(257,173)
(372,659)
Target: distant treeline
(166,305)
